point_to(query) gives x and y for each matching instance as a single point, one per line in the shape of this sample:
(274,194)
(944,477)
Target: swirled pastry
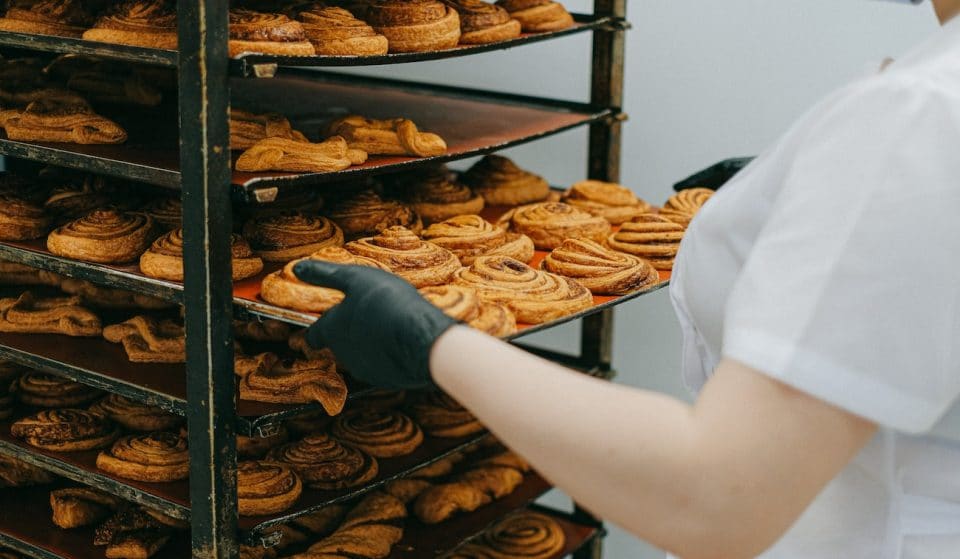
(682,206)
(399,249)
(467,492)
(525,534)
(282,154)
(105,236)
(65,430)
(135,416)
(151,457)
(167,212)
(108,298)
(257,447)
(149,340)
(398,136)
(548,224)
(132,532)
(247,128)
(284,289)
(440,415)
(283,237)
(141,23)
(21,219)
(164,259)
(297,381)
(463,304)
(502,183)
(534,296)
(52,120)
(470,236)
(75,200)
(415,25)
(50,391)
(13,273)
(74,507)
(50,315)
(335,31)
(482,23)
(436,197)
(258,32)
(325,463)
(266,488)
(599,269)
(611,201)
(383,434)
(369,531)
(537,16)
(652,237)
(65,18)
(366,214)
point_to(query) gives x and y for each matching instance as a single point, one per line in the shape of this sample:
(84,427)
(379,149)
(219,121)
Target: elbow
(722,533)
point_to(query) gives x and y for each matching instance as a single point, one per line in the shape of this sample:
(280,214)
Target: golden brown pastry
(262,330)
(599,269)
(104,236)
(266,488)
(151,457)
(526,534)
(284,289)
(55,120)
(71,201)
(297,381)
(383,434)
(435,196)
(469,551)
(334,31)
(42,390)
(13,273)
(21,219)
(47,315)
(264,33)
(682,206)
(551,223)
(167,212)
(419,262)
(311,527)
(132,533)
(282,154)
(64,18)
(149,340)
(470,236)
(108,298)
(366,214)
(482,22)
(611,201)
(164,259)
(248,128)
(285,236)
(537,16)
(407,489)
(141,23)
(464,305)
(440,415)
(325,463)
(369,531)
(469,491)
(534,296)
(135,416)
(502,183)
(17,473)
(415,25)
(74,507)
(398,136)
(652,237)
(257,447)
(65,430)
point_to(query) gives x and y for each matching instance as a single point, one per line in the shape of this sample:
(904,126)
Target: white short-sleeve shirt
(832,263)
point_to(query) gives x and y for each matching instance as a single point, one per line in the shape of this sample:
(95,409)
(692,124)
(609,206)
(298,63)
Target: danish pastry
(282,154)
(482,23)
(247,128)
(167,212)
(470,236)
(257,447)
(258,32)
(151,457)
(135,416)
(526,534)
(436,197)
(611,201)
(52,315)
(164,259)
(285,236)
(50,391)
(65,430)
(369,530)
(21,219)
(537,16)
(141,23)
(463,304)
(74,507)
(13,273)
(64,18)
(266,488)
(599,269)
(366,214)
(74,200)
(440,415)
(325,463)
(419,262)
(57,120)
(502,183)
(149,340)
(334,31)
(652,237)
(108,298)
(548,224)
(415,25)
(131,532)
(383,434)
(682,206)
(398,136)
(297,381)
(470,490)
(104,236)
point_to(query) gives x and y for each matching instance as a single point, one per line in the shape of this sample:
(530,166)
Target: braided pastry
(537,16)
(550,223)
(266,488)
(325,463)
(108,298)
(440,415)
(435,197)
(482,23)
(463,304)
(682,206)
(611,201)
(64,18)
(599,269)
(151,457)
(367,214)
(282,154)
(335,31)
(258,32)
(69,121)
(52,315)
(149,340)
(141,23)
(257,447)
(284,289)
(383,434)
(247,128)
(480,485)
(74,507)
(399,249)
(652,237)
(524,535)
(369,531)
(104,236)
(50,391)
(164,259)
(534,296)
(21,219)
(167,212)
(135,416)
(415,25)
(398,136)
(285,236)
(65,430)
(297,381)
(470,236)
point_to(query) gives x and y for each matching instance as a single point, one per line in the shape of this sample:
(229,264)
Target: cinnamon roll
(283,237)
(75,200)
(51,315)
(74,507)
(257,447)
(65,430)
(141,23)
(164,259)
(135,416)
(415,25)
(284,289)
(527,535)
(548,224)
(21,219)
(440,415)
(12,273)
(599,269)
(482,23)
(297,381)
(335,31)
(258,32)
(383,434)
(611,201)
(64,18)
(470,236)
(167,212)
(247,128)
(104,236)
(149,340)
(108,298)
(266,488)
(682,206)
(325,463)
(398,136)
(50,391)
(282,154)
(652,237)
(502,183)
(436,197)
(537,16)
(152,457)
(419,262)
(69,121)
(463,304)
(534,296)
(367,214)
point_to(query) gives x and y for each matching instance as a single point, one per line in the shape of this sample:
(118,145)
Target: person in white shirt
(819,292)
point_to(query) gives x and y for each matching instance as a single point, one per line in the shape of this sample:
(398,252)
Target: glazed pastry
(470,236)
(141,23)
(152,457)
(52,120)
(282,154)
(440,415)
(13,273)
(42,390)
(297,381)
(502,183)
(482,23)
(164,259)
(135,416)
(534,296)
(283,237)
(75,507)
(21,219)
(682,206)
(265,330)
(65,430)
(17,473)
(51,315)
(526,534)
(651,237)
(108,298)
(64,18)
(284,289)
(419,262)
(551,223)
(149,340)
(537,16)
(258,32)
(257,447)
(367,214)
(415,25)
(381,434)
(72,201)
(247,128)
(599,269)
(464,305)
(369,531)
(435,197)
(104,236)
(167,212)
(266,488)
(398,136)
(469,491)
(325,463)
(611,201)
(335,31)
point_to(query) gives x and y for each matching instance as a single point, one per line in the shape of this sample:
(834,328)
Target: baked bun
(537,16)
(464,305)
(21,219)
(415,25)
(366,214)
(417,261)
(599,269)
(502,183)
(470,236)
(164,259)
(104,236)
(435,196)
(682,206)
(266,488)
(325,463)
(297,156)
(611,201)
(64,18)
(140,23)
(285,236)
(335,31)
(381,434)
(65,430)
(150,457)
(651,237)
(548,224)
(398,136)
(63,120)
(482,23)
(265,33)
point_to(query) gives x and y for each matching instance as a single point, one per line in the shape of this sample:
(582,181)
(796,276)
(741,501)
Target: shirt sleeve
(851,292)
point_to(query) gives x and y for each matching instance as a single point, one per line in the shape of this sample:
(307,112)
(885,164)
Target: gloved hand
(715,176)
(383,330)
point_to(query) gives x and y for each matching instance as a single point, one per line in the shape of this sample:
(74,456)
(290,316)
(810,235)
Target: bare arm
(725,477)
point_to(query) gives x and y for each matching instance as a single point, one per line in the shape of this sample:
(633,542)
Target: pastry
(24,186)
(397,136)
(64,18)
(135,416)
(141,23)
(65,430)
(367,214)
(482,23)
(265,33)
(438,469)
(537,16)
(415,25)
(464,305)
(283,237)
(105,297)
(282,154)
(307,423)
(526,534)
(469,551)
(150,457)
(149,340)
(167,212)
(17,473)
(382,434)
(369,531)
(41,390)
(244,365)
(71,201)
(52,315)
(470,236)
(534,296)
(611,201)
(419,262)
(682,206)
(266,488)
(436,197)
(13,273)
(297,381)
(334,31)
(284,289)
(652,237)
(599,269)
(311,527)
(469,491)
(104,236)
(164,259)
(21,219)
(407,489)
(256,552)
(248,128)
(257,447)
(325,463)
(132,533)
(168,521)
(51,120)
(115,85)
(75,507)
(440,415)
(502,183)
(262,330)
(550,223)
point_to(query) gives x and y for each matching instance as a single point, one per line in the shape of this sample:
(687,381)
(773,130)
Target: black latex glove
(715,176)
(383,330)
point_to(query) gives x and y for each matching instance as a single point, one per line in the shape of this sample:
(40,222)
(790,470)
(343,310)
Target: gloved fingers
(715,176)
(316,333)
(325,274)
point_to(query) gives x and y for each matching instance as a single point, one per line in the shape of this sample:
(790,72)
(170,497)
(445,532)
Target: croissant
(502,183)
(367,214)
(652,237)
(75,507)
(470,236)
(41,390)
(325,463)
(415,25)
(152,457)
(281,154)
(284,236)
(369,531)
(21,219)
(464,305)
(398,136)
(105,236)
(65,430)
(482,23)
(53,120)
(247,128)
(383,434)
(599,269)
(419,262)
(164,259)
(108,298)
(682,206)
(149,340)
(297,382)
(54,315)
(435,197)
(141,23)
(266,488)
(65,18)
(257,32)
(548,224)
(336,32)
(470,490)
(608,200)
(135,416)
(538,15)
(441,416)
